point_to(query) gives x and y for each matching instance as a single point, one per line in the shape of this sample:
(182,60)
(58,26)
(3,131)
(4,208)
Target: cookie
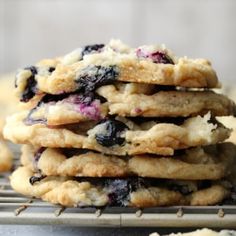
(72,109)
(112,192)
(231,123)
(193,164)
(105,65)
(119,136)
(124,101)
(5,157)
(8,100)
(130,99)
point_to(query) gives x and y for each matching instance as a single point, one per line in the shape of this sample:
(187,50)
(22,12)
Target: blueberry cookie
(119,136)
(124,100)
(130,99)
(213,162)
(5,157)
(92,66)
(8,100)
(135,192)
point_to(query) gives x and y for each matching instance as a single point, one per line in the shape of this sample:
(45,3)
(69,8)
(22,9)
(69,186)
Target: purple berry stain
(156,57)
(85,106)
(138,110)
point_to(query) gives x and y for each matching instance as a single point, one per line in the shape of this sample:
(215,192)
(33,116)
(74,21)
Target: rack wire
(17,209)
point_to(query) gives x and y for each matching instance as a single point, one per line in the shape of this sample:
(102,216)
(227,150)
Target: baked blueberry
(51,69)
(94,77)
(92,48)
(38,153)
(119,191)
(30,88)
(33,70)
(34,179)
(31,85)
(111,133)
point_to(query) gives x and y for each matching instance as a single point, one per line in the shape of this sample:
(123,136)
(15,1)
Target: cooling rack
(17,209)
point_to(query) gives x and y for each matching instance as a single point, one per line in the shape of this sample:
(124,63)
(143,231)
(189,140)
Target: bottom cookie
(5,157)
(100,192)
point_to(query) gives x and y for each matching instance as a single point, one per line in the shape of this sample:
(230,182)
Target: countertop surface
(26,230)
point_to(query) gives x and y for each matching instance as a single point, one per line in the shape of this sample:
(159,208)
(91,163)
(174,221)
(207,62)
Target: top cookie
(92,66)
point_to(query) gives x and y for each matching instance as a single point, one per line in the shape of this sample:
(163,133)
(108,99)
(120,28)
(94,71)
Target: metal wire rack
(16,209)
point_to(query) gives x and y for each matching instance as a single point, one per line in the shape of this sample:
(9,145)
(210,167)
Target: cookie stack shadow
(108,125)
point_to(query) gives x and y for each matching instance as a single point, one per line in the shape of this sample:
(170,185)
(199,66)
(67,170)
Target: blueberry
(119,190)
(38,153)
(94,77)
(34,179)
(112,133)
(30,90)
(31,85)
(92,48)
(37,156)
(51,69)
(33,70)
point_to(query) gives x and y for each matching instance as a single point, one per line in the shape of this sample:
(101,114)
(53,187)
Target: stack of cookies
(110,125)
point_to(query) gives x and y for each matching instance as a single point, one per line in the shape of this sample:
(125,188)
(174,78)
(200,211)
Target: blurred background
(35,29)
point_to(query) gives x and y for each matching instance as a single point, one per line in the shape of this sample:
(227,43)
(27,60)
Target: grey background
(35,29)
